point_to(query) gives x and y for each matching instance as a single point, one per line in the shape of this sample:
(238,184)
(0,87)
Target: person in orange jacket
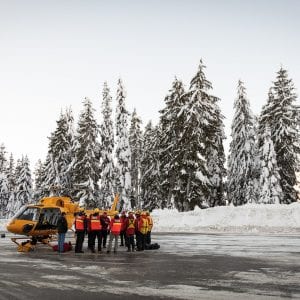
(130,231)
(80,230)
(150,226)
(115,229)
(95,228)
(142,231)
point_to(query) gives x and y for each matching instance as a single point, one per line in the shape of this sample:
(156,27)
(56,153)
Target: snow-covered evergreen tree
(67,158)
(215,155)
(4,182)
(170,152)
(58,162)
(123,153)
(13,205)
(256,163)
(200,130)
(11,173)
(241,189)
(85,164)
(135,142)
(150,170)
(11,186)
(107,147)
(265,118)
(48,176)
(271,192)
(23,190)
(39,188)
(282,115)
(212,127)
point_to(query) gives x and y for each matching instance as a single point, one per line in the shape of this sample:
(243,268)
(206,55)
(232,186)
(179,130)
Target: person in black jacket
(62,228)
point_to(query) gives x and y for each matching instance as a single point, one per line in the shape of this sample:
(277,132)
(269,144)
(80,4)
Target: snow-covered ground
(247,218)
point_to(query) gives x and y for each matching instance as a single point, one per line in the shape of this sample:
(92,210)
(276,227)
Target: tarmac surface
(187,266)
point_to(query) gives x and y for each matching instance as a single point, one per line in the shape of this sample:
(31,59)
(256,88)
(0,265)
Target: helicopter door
(48,218)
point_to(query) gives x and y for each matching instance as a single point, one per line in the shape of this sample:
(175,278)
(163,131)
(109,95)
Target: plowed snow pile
(247,218)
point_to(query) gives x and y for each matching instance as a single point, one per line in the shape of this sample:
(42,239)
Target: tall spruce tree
(283,117)
(24,193)
(150,170)
(38,181)
(107,147)
(85,164)
(135,142)
(170,152)
(202,132)
(123,153)
(11,173)
(241,189)
(11,186)
(213,136)
(270,189)
(4,182)
(215,155)
(60,155)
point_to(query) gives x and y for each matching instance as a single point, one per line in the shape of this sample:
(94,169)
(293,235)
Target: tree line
(177,163)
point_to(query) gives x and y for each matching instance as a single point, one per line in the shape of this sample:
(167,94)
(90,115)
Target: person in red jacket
(115,229)
(130,231)
(123,219)
(105,221)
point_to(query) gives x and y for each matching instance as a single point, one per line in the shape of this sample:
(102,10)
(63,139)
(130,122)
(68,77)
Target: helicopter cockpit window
(28,213)
(48,218)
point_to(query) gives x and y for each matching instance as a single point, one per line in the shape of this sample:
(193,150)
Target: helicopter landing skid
(28,245)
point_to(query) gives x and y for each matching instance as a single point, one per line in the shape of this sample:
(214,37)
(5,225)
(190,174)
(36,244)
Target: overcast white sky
(55,53)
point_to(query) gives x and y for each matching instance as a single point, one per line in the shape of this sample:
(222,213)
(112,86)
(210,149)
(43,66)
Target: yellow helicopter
(39,221)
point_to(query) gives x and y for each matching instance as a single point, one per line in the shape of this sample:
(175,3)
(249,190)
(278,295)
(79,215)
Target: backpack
(67,247)
(154,246)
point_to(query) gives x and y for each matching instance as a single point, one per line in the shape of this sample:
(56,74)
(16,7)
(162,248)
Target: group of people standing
(134,230)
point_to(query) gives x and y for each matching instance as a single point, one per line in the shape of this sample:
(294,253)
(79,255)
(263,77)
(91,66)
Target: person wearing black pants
(105,221)
(123,219)
(80,230)
(130,230)
(95,227)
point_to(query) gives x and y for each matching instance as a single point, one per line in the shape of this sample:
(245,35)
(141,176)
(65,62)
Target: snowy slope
(247,218)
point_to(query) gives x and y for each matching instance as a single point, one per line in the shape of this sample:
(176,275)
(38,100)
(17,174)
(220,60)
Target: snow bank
(3,223)
(247,218)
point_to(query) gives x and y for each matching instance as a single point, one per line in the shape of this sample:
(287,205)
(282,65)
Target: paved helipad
(187,266)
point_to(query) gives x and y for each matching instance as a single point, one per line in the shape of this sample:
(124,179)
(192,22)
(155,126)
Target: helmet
(138,212)
(81,209)
(96,210)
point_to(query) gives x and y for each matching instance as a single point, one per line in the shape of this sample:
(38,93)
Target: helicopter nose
(11,226)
